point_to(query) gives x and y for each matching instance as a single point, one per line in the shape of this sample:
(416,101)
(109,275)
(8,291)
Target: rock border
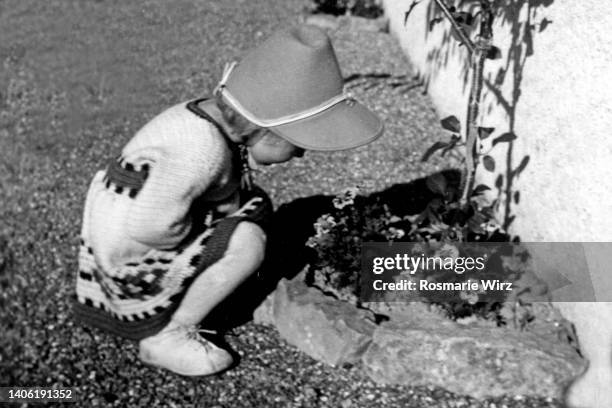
(419,347)
(333,23)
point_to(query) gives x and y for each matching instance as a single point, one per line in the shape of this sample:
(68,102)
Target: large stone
(264,313)
(474,359)
(380,24)
(333,23)
(324,21)
(324,328)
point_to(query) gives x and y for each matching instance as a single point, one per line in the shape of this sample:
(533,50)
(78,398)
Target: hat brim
(343,126)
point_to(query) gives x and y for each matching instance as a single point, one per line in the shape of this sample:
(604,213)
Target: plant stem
(482,46)
(464,38)
(478,55)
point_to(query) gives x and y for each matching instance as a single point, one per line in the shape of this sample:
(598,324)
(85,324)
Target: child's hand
(249,207)
(230,205)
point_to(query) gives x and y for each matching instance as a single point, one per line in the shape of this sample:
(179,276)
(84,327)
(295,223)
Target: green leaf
(544,23)
(407,13)
(484,132)
(463,18)
(500,77)
(494,53)
(506,137)
(489,163)
(451,144)
(474,226)
(521,166)
(435,147)
(499,181)
(479,189)
(436,183)
(434,21)
(447,149)
(451,123)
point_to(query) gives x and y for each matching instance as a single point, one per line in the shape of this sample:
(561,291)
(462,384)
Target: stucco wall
(556,96)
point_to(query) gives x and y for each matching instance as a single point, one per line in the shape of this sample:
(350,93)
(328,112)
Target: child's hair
(241,125)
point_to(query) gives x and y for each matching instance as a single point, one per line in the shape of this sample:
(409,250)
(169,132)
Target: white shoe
(182,350)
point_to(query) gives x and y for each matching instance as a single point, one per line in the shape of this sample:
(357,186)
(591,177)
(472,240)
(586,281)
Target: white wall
(563,119)
(563,116)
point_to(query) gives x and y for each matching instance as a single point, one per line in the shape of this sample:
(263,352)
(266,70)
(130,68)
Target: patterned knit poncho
(156,218)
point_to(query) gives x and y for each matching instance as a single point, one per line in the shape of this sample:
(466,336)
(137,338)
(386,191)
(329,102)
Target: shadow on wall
(520,18)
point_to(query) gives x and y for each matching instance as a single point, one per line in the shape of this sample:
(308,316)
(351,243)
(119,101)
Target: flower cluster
(324,225)
(394,234)
(346,198)
(337,241)
(338,238)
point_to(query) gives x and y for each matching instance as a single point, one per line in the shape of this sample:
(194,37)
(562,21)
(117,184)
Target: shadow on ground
(287,254)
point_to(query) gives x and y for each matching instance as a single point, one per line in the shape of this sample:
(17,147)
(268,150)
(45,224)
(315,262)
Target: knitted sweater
(187,157)
(142,247)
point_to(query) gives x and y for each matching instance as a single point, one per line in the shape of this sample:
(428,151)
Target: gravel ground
(78,78)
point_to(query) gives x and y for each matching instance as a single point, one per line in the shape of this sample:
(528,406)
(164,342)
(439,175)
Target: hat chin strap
(222,90)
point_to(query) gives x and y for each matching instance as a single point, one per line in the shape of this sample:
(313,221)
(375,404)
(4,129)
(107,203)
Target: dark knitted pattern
(98,317)
(105,299)
(213,248)
(124,175)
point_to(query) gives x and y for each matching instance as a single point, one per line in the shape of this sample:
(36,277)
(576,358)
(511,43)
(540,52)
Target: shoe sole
(152,363)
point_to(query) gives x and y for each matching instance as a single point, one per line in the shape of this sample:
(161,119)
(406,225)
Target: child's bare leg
(244,255)
(177,347)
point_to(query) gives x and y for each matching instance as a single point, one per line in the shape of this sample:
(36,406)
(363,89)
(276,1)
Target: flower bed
(361,8)
(468,346)
(443,224)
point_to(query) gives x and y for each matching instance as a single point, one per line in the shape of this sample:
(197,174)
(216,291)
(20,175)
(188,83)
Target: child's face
(269,148)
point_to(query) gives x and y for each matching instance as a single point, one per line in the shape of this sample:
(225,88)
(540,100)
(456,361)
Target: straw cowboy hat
(292,85)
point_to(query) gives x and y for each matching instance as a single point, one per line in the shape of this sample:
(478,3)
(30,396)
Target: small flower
(395,233)
(394,218)
(347,197)
(469,296)
(490,226)
(324,224)
(312,242)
